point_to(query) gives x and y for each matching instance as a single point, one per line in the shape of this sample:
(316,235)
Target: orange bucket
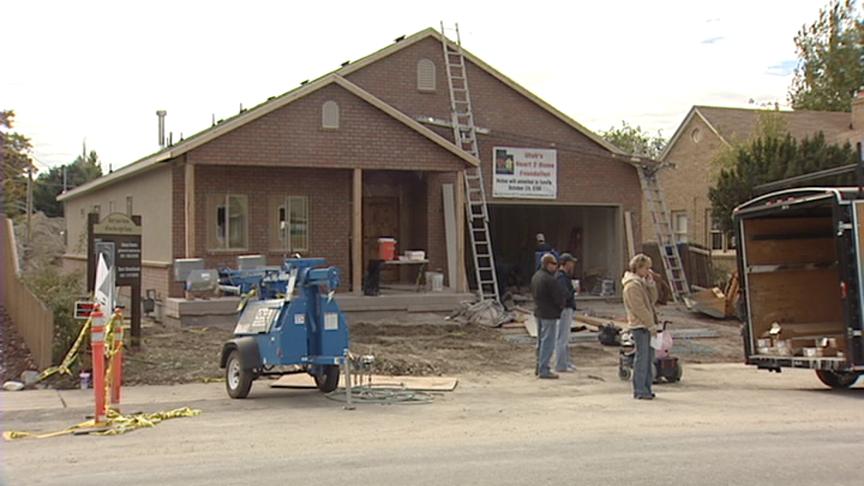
(386,249)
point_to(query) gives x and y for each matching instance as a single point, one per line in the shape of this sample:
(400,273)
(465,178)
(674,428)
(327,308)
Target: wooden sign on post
(118,237)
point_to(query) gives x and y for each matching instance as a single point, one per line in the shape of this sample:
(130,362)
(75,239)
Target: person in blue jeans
(548,303)
(564,277)
(640,294)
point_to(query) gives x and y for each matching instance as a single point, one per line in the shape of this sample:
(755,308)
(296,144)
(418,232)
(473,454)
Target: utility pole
(64,178)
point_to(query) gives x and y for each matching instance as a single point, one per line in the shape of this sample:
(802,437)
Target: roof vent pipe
(161,114)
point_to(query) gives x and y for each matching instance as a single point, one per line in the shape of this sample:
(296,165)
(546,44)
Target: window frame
(223,201)
(280,240)
(727,241)
(676,230)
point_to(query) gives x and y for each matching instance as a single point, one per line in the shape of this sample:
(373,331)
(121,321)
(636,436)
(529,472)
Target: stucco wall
(151,199)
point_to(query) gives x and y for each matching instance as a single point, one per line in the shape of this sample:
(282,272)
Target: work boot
(548,376)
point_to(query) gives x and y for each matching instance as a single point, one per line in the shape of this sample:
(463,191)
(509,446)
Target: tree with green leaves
(49,185)
(830,69)
(14,159)
(771,158)
(635,141)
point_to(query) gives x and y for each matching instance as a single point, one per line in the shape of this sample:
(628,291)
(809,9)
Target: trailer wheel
(327,378)
(237,380)
(837,379)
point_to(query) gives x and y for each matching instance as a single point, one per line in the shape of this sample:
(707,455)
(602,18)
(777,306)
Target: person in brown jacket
(640,294)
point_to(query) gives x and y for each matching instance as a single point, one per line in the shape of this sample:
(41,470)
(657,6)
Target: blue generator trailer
(300,330)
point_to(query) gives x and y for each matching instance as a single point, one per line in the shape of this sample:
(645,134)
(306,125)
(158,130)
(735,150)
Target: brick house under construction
(364,152)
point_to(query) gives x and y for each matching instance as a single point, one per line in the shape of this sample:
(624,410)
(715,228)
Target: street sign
(117,237)
(83,309)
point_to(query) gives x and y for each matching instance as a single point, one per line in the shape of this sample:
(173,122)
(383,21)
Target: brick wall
(329,193)
(178,220)
(292,137)
(685,186)
(587,174)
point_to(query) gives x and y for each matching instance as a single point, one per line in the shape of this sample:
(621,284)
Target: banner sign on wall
(524,173)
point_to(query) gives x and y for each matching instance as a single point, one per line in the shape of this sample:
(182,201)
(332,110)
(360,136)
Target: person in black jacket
(548,303)
(564,277)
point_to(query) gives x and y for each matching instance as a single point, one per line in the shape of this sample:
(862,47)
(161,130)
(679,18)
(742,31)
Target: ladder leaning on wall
(465,137)
(666,243)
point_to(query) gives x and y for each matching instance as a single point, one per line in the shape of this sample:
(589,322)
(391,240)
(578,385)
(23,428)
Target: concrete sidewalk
(134,395)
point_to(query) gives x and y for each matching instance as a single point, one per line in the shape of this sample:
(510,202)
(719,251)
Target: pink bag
(662,344)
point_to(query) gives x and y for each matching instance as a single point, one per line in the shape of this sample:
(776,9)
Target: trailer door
(858,228)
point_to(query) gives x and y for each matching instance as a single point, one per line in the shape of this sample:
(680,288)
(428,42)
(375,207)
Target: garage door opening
(593,234)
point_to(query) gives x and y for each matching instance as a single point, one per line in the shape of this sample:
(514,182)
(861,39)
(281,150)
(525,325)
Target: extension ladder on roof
(465,137)
(665,236)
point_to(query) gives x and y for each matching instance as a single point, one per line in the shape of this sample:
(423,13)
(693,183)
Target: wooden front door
(380,220)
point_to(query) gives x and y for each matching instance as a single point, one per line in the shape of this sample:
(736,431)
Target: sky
(96,72)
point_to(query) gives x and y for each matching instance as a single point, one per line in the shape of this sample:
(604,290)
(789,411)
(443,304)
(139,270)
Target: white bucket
(435,281)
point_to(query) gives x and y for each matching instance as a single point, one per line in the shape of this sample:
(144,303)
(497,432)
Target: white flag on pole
(104,288)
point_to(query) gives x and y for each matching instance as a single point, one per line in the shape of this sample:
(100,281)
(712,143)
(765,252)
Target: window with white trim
(330,114)
(289,223)
(680,226)
(425,75)
(227,221)
(718,240)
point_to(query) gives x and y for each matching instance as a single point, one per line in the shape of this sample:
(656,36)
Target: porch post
(189,203)
(461,277)
(357,232)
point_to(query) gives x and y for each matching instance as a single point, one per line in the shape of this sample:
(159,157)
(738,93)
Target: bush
(59,291)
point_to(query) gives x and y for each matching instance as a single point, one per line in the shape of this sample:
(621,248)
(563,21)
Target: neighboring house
(691,153)
(366,152)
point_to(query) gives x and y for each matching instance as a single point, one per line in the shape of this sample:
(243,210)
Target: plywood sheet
(794,296)
(777,252)
(418,383)
(774,226)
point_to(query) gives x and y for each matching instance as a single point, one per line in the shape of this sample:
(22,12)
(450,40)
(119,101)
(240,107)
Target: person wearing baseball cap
(548,303)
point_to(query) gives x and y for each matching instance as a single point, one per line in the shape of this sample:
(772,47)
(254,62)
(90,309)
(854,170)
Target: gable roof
(734,125)
(248,116)
(430,32)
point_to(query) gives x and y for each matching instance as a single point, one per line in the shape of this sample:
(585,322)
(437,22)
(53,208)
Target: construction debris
(718,303)
(488,313)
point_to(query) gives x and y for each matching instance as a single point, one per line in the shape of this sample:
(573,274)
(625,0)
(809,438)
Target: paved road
(725,424)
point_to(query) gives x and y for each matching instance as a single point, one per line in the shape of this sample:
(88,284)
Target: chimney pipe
(161,114)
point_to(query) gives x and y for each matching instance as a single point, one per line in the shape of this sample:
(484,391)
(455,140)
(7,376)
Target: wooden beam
(189,208)
(628,230)
(462,278)
(357,232)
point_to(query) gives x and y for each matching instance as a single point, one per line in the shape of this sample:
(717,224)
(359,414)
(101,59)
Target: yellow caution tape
(63,367)
(115,424)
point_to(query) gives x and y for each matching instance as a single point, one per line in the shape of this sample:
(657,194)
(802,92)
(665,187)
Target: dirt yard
(421,344)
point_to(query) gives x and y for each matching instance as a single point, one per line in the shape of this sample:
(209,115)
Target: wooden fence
(33,320)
